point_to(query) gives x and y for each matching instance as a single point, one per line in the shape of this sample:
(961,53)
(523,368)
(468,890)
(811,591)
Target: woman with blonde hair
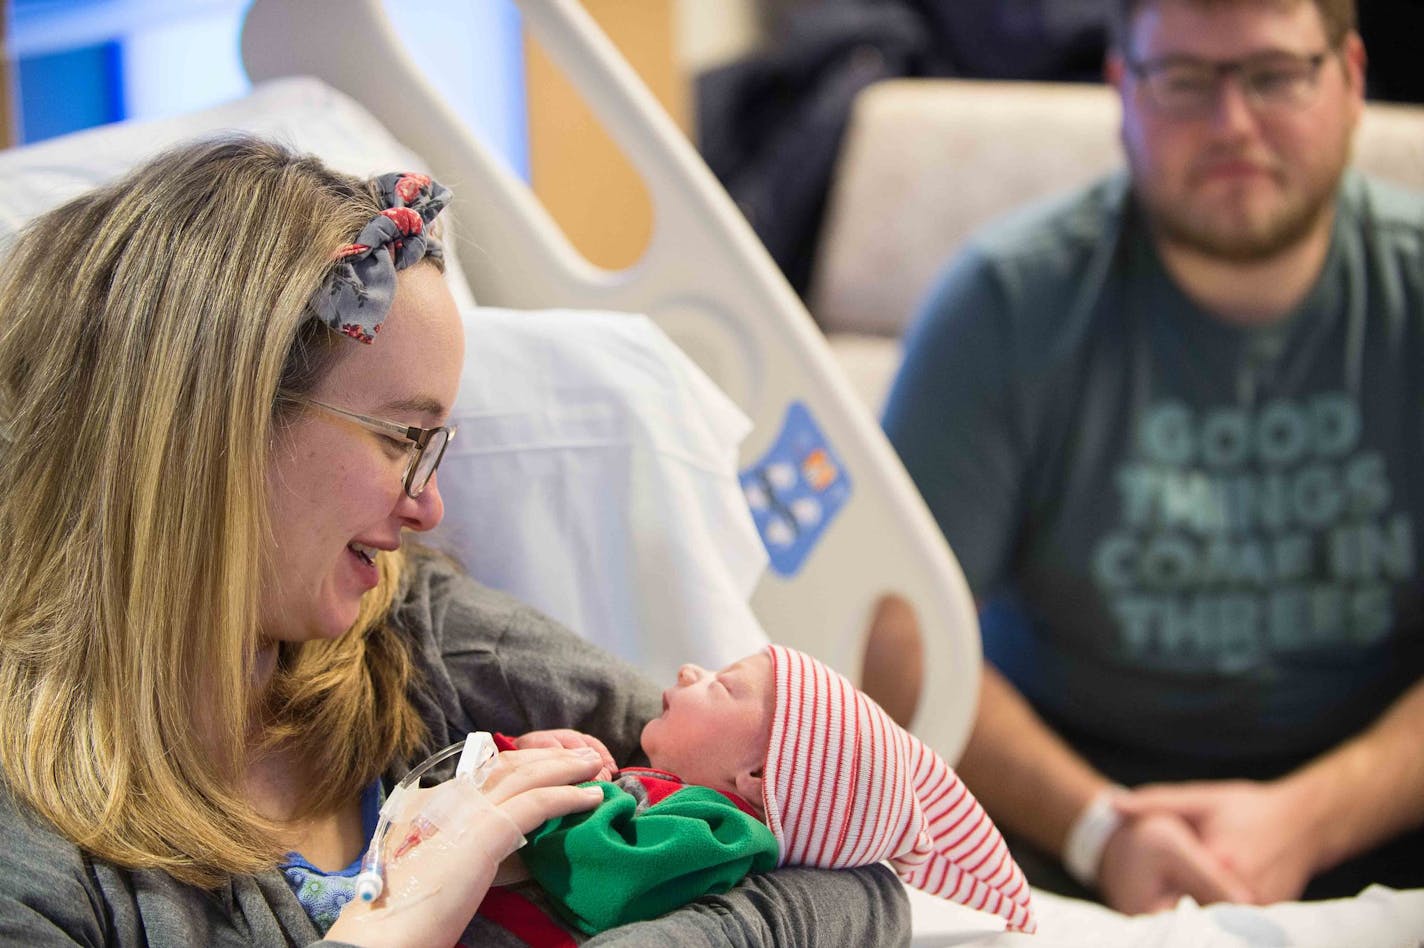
(223,387)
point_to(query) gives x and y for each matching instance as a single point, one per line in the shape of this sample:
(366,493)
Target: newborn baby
(774,760)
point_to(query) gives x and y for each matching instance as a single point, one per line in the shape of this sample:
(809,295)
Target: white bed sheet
(1377,918)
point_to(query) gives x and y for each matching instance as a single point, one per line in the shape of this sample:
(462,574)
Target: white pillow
(303,113)
(594,476)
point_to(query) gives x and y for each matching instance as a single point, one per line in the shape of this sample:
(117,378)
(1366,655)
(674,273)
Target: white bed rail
(706,280)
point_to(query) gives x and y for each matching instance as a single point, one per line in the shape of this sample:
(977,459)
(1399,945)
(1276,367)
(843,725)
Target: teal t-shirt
(1200,544)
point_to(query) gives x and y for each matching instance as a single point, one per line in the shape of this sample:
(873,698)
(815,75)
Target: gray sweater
(489,663)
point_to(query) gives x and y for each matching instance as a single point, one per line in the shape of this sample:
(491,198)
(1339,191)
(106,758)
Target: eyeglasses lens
(1277,82)
(426,461)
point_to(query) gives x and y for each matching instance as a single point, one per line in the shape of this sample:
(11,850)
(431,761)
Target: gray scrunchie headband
(356,296)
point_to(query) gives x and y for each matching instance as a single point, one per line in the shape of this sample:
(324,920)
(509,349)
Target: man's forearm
(1371,787)
(1026,777)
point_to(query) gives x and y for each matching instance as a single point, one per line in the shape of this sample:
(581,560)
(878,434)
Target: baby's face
(714,725)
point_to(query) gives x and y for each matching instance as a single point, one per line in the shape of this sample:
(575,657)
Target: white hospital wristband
(1089,835)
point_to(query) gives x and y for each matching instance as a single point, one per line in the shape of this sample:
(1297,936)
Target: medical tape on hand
(1089,835)
(497,837)
(455,814)
(477,758)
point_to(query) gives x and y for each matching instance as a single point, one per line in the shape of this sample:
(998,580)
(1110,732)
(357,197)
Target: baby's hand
(571,740)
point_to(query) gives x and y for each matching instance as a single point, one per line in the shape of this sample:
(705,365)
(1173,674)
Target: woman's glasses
(429,442)
(1191,88)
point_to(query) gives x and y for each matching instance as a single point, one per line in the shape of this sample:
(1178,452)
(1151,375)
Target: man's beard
(1284,229)
(1245,239)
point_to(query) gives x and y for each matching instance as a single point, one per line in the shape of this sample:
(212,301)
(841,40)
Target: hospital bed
(721,312)
(707,283)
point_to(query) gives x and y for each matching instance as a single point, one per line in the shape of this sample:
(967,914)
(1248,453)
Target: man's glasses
(429,443)
(1191,88)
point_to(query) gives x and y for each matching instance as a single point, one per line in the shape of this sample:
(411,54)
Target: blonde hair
(145,330)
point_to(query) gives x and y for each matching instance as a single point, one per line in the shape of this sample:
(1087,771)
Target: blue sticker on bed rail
(795,490)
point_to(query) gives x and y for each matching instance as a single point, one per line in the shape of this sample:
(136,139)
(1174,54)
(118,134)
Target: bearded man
(1173,428)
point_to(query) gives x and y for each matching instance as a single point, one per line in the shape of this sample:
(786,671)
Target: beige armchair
(925,163)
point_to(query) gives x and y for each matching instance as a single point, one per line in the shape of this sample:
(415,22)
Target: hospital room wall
(86,62)
(577,170)
(7,91)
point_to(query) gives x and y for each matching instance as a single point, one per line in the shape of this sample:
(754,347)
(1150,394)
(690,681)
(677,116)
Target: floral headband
(356,296)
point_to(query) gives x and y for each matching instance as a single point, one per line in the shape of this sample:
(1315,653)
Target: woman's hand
(433,891)
(573,740)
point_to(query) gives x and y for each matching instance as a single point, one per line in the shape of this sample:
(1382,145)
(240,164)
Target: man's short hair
(1338,16)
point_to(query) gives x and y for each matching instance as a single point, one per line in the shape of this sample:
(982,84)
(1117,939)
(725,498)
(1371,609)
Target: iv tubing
(371,880)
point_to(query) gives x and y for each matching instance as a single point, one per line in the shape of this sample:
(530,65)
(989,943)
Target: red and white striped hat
(846,786)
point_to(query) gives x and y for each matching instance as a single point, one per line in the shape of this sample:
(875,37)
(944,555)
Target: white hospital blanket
(1376,918)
